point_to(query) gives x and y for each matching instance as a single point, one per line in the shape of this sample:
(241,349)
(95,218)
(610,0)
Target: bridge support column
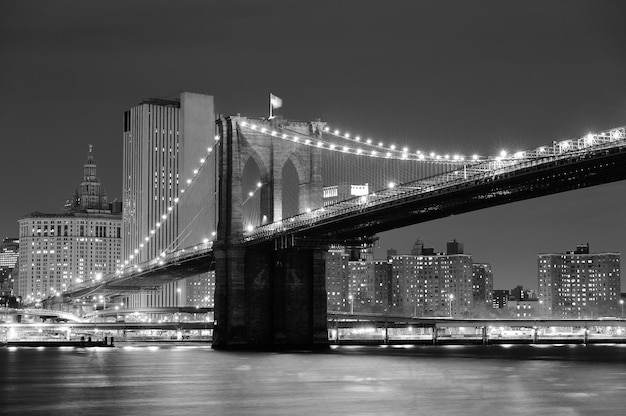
(267,299)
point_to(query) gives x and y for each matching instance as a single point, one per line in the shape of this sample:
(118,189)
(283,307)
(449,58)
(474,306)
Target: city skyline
(490,77)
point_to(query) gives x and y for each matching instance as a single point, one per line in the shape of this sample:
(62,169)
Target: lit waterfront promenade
(343,328)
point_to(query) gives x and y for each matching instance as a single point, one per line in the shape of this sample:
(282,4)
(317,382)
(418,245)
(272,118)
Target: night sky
(451,76)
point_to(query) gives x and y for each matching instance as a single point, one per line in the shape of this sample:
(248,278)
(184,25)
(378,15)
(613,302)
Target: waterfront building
(482,284)
(361,285)
(164,141)
(518,293)
(201,290)
(501,298)
(337,279)
(382,286)
(79,245)
(523,309)
(9,253)
(579,284)
(432,285)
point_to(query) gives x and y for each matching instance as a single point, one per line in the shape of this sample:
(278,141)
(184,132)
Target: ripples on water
(419,380)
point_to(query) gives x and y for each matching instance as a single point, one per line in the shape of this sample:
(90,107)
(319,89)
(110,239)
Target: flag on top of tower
(275,102)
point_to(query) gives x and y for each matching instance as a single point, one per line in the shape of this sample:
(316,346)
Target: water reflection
(469,380)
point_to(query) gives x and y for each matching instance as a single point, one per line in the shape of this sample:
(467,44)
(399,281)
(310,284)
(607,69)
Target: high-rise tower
(164,141)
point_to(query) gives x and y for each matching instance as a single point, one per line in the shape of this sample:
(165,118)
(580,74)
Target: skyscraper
(164,143)
(579,284)
(81,244)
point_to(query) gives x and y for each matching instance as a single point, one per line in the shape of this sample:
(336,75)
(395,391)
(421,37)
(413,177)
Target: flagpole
(270,106)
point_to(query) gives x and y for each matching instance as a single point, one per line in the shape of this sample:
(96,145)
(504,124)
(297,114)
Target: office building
(579,284)
(169,183)
(79,245)
(9,252)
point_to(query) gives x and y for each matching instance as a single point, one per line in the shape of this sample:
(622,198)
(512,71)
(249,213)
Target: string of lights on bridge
(165,216)
(365,147)
(381,150)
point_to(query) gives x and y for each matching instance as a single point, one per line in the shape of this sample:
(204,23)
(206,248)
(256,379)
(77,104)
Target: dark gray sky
(465,76)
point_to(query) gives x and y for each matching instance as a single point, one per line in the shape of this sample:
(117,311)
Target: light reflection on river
(462,380)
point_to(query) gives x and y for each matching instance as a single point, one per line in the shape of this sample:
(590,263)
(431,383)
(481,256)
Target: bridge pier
(270,299)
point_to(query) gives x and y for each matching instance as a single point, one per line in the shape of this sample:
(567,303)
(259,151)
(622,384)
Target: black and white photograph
(289,207)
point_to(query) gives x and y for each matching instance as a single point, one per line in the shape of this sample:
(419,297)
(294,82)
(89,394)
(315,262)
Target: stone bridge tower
(268,295)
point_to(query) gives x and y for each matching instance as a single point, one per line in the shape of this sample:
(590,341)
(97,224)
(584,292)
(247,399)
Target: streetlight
(451,296)
(351,304)
(621,302)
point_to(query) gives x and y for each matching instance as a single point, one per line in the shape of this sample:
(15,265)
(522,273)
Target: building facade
(165,142)
(432,285)
(500,298)
(9,253)
(81,244)
(337,279)
(482,285)
(579,284)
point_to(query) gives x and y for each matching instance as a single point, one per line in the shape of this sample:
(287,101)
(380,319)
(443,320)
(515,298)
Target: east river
(416,380)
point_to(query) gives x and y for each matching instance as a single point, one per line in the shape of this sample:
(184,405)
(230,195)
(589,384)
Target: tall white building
(82,244)
(165,142)
(579,284)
